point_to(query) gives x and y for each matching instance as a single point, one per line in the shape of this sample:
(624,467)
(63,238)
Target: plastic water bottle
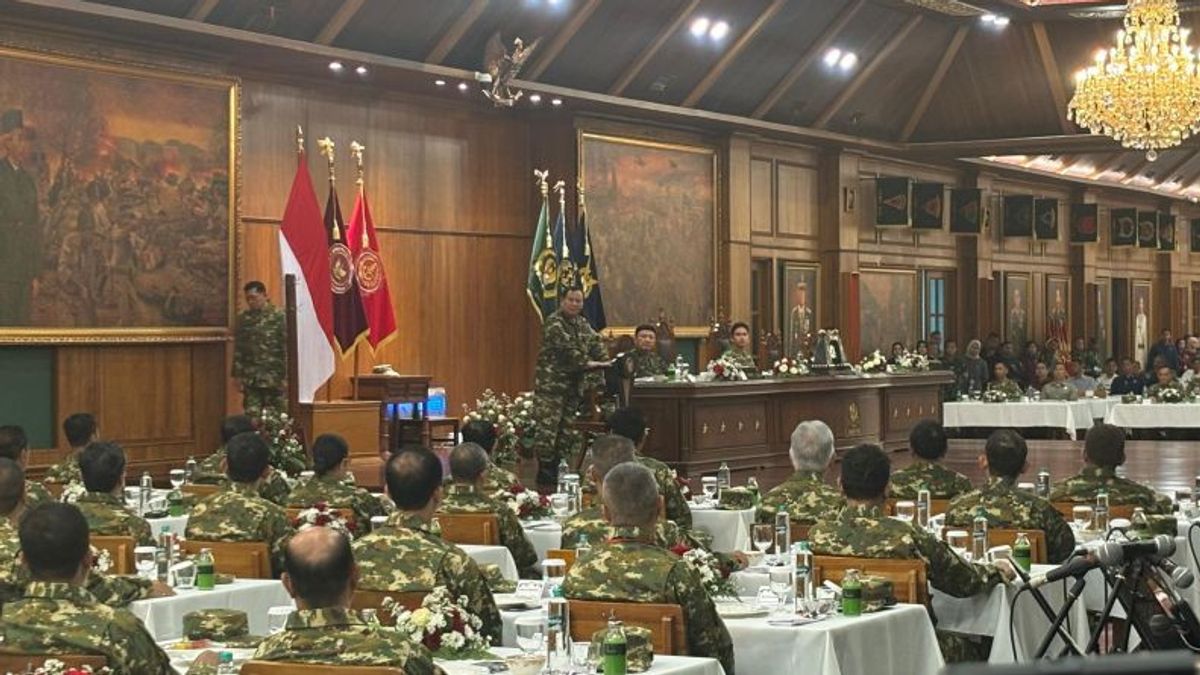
(924,504)
(225,664)
(558,632)
(804,565)
(1022,555)
(175,507)
(851,594)
(1102,512)
(979,535)
(189,470)
(783,534)
(723,479)
(615,658)
(145,490)
(1043,483)
(563,470)
(205,570)
(583,547)
(164,556)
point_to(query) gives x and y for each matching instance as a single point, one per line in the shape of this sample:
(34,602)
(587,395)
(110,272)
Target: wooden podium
(389,391)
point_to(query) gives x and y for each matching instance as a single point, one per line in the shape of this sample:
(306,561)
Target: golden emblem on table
(853,419)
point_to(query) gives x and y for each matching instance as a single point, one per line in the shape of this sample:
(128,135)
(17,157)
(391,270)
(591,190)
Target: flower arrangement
(786,367)
(712,575)
(726,370)
(101,560)
(911,362)
(72,492)
(278,430)
(443,624)
(1170,394)
(512,418)
(994,396)
(321,515)
(872,363)
(527,504)
(56,667)
(1129,398)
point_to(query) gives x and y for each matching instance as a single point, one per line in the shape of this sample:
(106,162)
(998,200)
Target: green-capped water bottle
(175,506)
(1022,551)
(435,527)
(1101,512)
(851,594)
(583,547)
(979,535)
(616,660)
(206,578)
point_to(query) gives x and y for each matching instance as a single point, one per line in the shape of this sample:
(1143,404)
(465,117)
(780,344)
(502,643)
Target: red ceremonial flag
(372,279)
(349,322)
(304,253)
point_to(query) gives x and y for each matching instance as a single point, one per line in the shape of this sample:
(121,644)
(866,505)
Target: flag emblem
(341,268)
(370,271)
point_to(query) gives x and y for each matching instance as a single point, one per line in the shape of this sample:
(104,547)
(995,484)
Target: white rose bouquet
(786,367)
(443,624)
(725,370)
(872,363)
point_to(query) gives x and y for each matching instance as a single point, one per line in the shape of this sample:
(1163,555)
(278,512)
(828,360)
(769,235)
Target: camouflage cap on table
(737,498)
(1155,524)
(215,624)
(877,593)
(496,581)
(639,647)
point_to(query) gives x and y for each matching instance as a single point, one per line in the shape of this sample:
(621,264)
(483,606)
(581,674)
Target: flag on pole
(589,273)
(542,284)
(371,277)
(304,252)
(349,322)
(568,271)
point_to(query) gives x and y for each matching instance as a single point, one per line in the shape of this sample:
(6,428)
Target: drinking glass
(177,476)
(277,618)
(185,576)
(763,536)
(531,633)
(560,503)
(906,510)
(1081,517)
(1183,498)
(554,570)
(959,541)
(780,580)
(709,485)
(143,560)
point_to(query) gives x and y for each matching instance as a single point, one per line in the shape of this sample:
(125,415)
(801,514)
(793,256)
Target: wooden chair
(470,528)
(347,515)
(199,491)
(242,559)
(14,662)
(664,331)
(1007,537)
(121,550)
(908,577)
(718,340)
(55,489)
(800,531)
(567,555)
(665,622)
(1114,510)
(770,350)
(410,600)
(284,668)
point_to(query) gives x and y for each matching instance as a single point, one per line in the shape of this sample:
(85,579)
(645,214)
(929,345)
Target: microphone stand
(1114,581)
(1068,641)
(1072,595)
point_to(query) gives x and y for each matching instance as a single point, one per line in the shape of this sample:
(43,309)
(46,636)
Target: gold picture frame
(1016,314)
(1057,310)
(790,297)
(140,138)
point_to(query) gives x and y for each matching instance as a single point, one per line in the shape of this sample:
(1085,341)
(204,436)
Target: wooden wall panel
(797,188)
(762,202)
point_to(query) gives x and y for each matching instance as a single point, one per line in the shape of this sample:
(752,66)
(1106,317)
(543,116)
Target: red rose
(680,548)
(433,642)
(322,519)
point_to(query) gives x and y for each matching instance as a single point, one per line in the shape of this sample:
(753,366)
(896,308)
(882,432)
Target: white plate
(514,601)
(739,610)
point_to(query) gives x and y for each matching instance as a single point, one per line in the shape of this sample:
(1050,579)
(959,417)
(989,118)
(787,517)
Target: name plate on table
(532,590)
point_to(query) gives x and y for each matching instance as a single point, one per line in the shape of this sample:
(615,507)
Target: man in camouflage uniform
(103,505)
(211,470)
(646,361)
(864,530)
(1003,383)
(260,351)
(1058,388)
(14,445)
(570,349)
(630,423)
(806,496)
(57,615)
(629,567)
(497,479)
(1103,452)
(331,466)
(468,467)
(1008,506)
(80,429)
(739,352)
(236,512)
(404,557)
(927,440)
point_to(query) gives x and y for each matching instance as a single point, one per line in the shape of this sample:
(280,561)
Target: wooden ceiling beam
(561,38)
(449,39)
(1165,175)
(337,22)
(1113,162)
(201,9)
(1187,179)
(1058,93)
(1136,170)
(732,53)
(828,35)
(865,74)
(935,82)
(651,49)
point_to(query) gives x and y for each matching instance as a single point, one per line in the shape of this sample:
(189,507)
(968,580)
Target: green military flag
(542,285)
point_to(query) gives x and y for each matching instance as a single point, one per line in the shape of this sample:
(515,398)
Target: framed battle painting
(1015,305)
(120,221)
(1058,308)
(798,304)
(652,214)
(888,309)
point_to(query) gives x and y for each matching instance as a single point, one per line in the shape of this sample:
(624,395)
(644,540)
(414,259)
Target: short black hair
(79,429)
(739,324)
(246,457)
(254,286)
(1105,446)
(1006,453)
(235,424)
(480,432)
(649,327)
(628,422)
(468,461)
(865,471)
(927,439)
(413,475)
(328,451)
(54,540)
(12,485)
(101,464)
(320,577)
(12,441)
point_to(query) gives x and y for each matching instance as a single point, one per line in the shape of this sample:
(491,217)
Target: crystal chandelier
(1145,91)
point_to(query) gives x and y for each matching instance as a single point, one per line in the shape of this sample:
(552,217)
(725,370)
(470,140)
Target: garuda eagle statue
(503,67)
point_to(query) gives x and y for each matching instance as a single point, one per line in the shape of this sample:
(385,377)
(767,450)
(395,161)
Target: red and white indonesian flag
(304,252)
(372,281)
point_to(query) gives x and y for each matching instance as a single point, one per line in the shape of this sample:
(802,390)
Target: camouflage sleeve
(140,530)
(463,577)
(278,532)
(595,347)
(1060,540)
(277,346)
(518,544)
(676,506)
(275,489)
(706,632)
(118,590)
(569,354)
(962,485)
(35,494)
(951,574)
(1162,505)
(137,652)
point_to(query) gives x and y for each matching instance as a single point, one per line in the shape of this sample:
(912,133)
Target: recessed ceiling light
(361,70)
(1001,21)
(336,66)
(556,101)
(440,83)
(719,30)
(462,86)
(700,26)
(988,18)
(535,98)
(832,57)
(848,60)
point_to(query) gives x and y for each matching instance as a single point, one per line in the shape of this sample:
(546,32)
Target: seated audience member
(896,352)
(739,352)
(1164,379)
(974,375)
(80,429)
(1002,383)
(1166,350)
(468,468)
(1110,375)
(1006,505)
(864,530)
(1008,356)
(1030,358)
(1129,381)
(1089,357)
(805,495)
(927,440)
(14,445)
(1041,376)
(57,615)
(935,345)
(630,423)
(483,434)
(320,575)
(211,469)
(404,557)
(1190,375)
(236,512)
(1082,382)
(646,361)
(331,464)
(103,467)
(630,567)
(951,359)
(1103,452)
(1059,389)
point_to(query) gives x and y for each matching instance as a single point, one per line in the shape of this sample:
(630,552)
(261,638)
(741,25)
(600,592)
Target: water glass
(185,576)
(762,536)
(531,633)
(277,618)
(554,570)
(960,542)
(906,511)
(1183,499)
(709,486)
(560,503)
(177,476)
(780,580)
(1081,517)
(143,560)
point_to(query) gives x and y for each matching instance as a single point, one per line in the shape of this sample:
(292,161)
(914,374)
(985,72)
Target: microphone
(1182,576)
(1076,566)
(1114,553)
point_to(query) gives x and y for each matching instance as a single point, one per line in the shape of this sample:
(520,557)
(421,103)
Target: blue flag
(589,274)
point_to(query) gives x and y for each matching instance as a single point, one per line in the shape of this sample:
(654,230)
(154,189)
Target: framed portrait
(1058,308)
(1104,317)
(1014,306)
(1141,318)
(652,214)
(121,217)
(888,308)
(798,299)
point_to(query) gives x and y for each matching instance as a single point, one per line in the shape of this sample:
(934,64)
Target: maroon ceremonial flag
(349,321)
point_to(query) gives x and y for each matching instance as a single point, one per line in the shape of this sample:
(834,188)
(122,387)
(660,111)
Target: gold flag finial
(561,188)
(541,176)
(356,151)
(579,191)
(326,145)
(299,140)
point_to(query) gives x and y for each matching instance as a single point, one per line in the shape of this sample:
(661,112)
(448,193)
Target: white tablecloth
(1154,415)
(543,535)
(164,616)
(493,555)
(663,665)
(730,530)
(1066,415)
(988,614)
(177,524)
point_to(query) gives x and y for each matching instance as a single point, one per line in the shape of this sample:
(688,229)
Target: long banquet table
(1066,415)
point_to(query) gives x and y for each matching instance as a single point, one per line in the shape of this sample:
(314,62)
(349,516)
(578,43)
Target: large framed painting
(1140,309)
(888,308)
(652,214)
(1015,308)
(799,296)
(119,211)
(1058,308)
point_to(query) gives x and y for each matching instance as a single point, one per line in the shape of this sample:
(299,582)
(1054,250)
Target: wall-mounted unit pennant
(1124,227)
(1085,219)
(1018,216)
(1147,229)
(1045,218)
(966,210)
(1166,232)
(892,197)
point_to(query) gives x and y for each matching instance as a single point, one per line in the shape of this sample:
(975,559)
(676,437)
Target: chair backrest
(120,549)
(285,668)
(800,531)
(770,350)
(470,528)
(908,577)
(718,339)
(55,489)
(665,622)
(242,559)
(345,514)
(566,555)
(998,536)
(664,332)
(1114,510)
(15,662)
(198,490)
(410,600)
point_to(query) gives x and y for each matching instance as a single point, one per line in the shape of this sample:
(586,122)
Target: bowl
(525,664)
